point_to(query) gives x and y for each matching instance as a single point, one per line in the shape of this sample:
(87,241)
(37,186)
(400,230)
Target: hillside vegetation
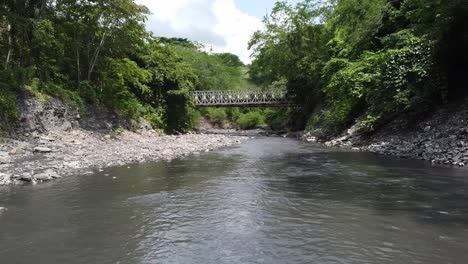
(99,52)
(364,62)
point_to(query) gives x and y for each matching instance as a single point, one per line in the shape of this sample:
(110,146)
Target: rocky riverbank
(441,138)
(51,156)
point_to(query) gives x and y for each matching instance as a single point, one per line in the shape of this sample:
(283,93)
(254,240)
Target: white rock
(47,176)
(42,150)
(47,139)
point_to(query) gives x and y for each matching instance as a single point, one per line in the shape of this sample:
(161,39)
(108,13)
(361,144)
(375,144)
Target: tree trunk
(96,55)
(10,47)
(78,70)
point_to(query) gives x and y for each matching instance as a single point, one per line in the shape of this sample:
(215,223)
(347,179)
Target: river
(269,200)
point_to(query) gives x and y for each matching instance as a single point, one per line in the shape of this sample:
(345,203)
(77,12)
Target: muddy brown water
(269,200)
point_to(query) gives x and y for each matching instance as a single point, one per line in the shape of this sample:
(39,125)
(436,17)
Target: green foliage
(250,120)
(180,112)
(65,95)
(155,117)
(122,75)
(88,92)
(214,72)
(277,119)
(230,60)
(8,112)
(217,115)
(372,59)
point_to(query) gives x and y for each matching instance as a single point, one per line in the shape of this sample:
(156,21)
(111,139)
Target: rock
(5,179)
(26,177)
(427,128)
(47,139)
(343,138)
(107,137)
(42,150)
(3,209)
(47,176)
(16,151)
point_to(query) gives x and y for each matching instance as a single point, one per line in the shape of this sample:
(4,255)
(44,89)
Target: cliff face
(36,116)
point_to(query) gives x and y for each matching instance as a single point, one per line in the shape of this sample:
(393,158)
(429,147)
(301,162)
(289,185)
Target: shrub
(8,112)
(277,119)
(217,115)
(155,117)
(57,91)
(179,112)
(251,120)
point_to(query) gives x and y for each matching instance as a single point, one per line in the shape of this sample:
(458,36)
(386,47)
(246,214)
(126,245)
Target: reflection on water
(267,201)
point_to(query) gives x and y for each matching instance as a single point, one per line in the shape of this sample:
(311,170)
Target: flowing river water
(269,200)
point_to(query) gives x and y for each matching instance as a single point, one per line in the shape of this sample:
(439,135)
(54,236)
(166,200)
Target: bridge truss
(240,98)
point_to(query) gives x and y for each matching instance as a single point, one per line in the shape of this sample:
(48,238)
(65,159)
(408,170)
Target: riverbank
(55,155)
(441,138)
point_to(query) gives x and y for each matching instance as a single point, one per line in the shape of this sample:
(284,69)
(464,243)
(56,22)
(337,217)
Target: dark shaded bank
(441,137)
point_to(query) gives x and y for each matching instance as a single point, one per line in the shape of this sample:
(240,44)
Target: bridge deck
(270,98)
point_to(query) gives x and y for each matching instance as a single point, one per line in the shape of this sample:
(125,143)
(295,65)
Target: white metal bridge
(254,98)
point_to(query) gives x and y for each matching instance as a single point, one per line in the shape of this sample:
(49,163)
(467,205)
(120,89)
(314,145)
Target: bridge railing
(239,98)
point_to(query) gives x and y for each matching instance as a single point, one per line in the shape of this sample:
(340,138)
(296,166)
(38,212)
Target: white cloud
(216,23)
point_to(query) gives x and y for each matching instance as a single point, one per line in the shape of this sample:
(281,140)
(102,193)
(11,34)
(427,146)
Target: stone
(26,177)
(427,128)
(353,130)
(47,139)
(47,176)
(107,137)
(3,209)
(16,151)
(5,179)
(42,150)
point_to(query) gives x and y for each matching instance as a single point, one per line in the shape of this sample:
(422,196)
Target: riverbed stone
(5,179)
(26,177)
(42,150)
(46,175)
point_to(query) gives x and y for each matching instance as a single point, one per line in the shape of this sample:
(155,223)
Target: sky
(222,25)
